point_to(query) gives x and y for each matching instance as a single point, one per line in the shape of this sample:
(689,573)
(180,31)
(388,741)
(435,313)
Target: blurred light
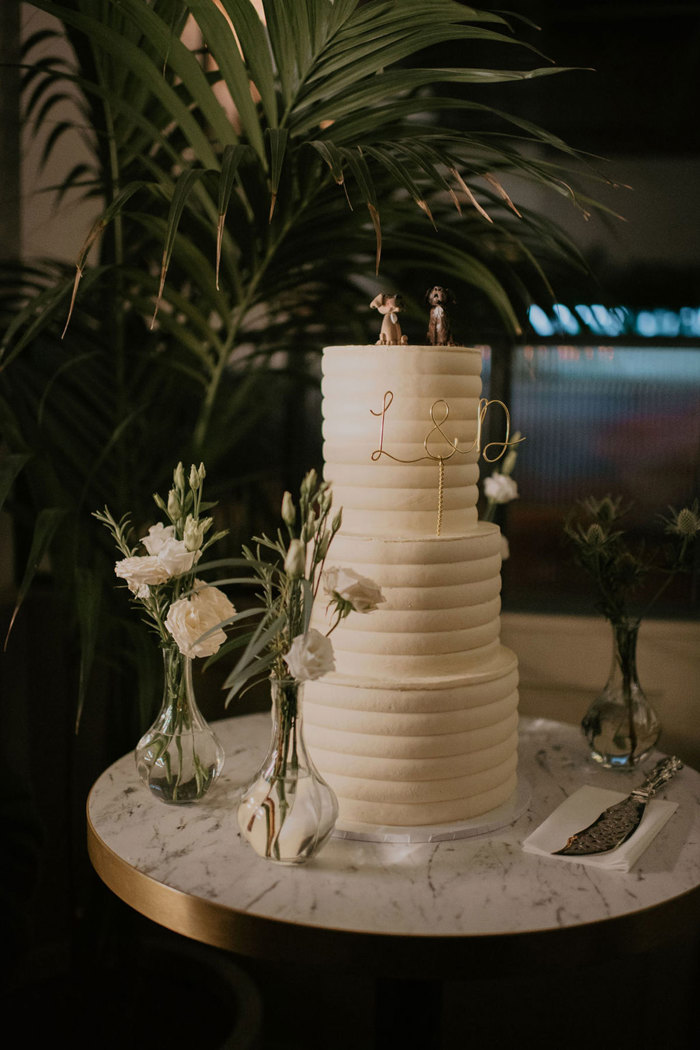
(690,320)
(659,322)
(612,322)
(646,324)
(567,321)
(539,321)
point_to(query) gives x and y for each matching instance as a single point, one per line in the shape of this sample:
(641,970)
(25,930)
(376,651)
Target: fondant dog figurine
(389,306)
(439,328)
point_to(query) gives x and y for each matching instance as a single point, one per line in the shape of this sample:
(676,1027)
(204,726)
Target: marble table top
(459,903)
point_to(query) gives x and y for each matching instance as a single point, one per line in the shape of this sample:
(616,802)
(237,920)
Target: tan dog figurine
(389,306)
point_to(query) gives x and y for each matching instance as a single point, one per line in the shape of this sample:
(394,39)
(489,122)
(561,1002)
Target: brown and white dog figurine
(439,328)
(389,306)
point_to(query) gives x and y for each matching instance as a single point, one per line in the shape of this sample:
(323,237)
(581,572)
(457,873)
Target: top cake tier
(390,414)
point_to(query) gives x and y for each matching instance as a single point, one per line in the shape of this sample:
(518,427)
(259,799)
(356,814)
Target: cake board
(501,817)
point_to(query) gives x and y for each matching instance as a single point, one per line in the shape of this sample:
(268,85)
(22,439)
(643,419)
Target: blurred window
(598,420)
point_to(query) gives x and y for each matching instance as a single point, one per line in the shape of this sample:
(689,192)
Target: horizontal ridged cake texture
(417,725)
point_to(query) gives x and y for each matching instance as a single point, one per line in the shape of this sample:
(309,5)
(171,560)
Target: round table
(456,908)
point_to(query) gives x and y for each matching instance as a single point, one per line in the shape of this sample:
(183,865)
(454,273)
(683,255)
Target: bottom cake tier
(432,752)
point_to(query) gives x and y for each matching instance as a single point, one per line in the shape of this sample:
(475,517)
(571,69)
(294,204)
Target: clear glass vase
(179,758)
(287,811)
(621,726)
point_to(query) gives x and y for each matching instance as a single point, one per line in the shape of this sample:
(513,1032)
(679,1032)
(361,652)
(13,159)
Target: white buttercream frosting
(418,723)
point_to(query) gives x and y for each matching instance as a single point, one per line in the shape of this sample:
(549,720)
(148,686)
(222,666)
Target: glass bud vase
(621,726)
(288,811)
(179,758)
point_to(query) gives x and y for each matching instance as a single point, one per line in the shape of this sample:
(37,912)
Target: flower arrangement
(284,644)
(621,726)
(179,757)
(618,568)
(287,811)
(182,610)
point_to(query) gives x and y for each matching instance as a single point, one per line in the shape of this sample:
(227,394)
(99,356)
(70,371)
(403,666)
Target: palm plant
(248,192)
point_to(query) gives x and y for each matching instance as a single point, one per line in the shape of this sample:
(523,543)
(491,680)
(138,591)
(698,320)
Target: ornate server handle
(662,772)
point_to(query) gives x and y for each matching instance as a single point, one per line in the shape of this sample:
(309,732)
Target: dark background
(632,105)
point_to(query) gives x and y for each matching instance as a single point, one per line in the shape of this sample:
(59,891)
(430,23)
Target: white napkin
(581,809)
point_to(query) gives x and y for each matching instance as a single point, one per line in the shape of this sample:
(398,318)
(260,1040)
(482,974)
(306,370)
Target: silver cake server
(619,822)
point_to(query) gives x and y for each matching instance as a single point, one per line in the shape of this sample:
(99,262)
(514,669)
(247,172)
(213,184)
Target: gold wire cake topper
(440,405)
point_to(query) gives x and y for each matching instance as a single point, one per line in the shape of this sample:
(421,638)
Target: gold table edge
(263,937)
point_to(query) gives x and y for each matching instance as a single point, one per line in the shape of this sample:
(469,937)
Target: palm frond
(246,189)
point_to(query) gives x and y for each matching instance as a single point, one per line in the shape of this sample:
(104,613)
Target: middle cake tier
(442,608)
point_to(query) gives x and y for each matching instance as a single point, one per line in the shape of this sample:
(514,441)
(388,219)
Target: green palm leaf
(232,158)
(88,589)
(47,522)
(129,57)
(180,60)
(256,51)
(222,44)
(278,138)
(10,467)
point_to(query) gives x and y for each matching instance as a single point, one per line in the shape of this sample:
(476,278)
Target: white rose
(189,618)
(140,572)
(362,593)
(500,488)
(175,557)
(157,536)
(310,657)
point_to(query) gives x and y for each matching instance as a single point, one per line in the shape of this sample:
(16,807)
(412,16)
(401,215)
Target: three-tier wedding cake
(417,725)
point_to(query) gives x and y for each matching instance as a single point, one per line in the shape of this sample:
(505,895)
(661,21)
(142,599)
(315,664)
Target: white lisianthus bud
(310,656)
(141,572)
(308,529)
(190,618)
(157,536)
(309,482)
(179,477)
(173,505)
(323,545)
(288,509)
(325,497)
(194,477)
(500,488)
(363,594)
(195,531)
(295,561)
